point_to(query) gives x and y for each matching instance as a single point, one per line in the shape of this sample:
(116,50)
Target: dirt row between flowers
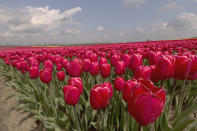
(12,119)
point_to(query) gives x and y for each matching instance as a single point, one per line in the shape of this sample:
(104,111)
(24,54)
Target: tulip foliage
(124,86)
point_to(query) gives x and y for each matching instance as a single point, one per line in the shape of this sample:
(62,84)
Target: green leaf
(183,125)
(105,121)
(88,114)
(145,128)
(192,126)
(93,124)
(164,123)
(28,109)
(136,125)
(184,115)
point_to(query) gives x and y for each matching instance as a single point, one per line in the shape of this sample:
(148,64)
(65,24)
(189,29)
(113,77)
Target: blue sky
(84,21)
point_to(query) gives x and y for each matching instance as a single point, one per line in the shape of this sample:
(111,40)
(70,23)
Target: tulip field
(135,86)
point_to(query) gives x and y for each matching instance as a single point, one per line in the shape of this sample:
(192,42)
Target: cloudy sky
(86,21)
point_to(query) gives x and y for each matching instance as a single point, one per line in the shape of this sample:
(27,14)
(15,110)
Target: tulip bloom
(99,97)
(94,58)
(146,102)
(182,67)
(126,59)
(105,70)
(86,64)
(34,72)
(128,89)
(108,85)
(119,83)
(115,59)
(71,94)
(193,72)
(135,61)
(7,62)
(120,68)
(60,75)
(102,61)
(18,66)
(59,67)
(154,74)
(142,72)
(13,63)
(48,64)
(165,67)
(24,67)
(65,63)
(46,76)
(75,68)
(94,68)
(77,82)
(153,57)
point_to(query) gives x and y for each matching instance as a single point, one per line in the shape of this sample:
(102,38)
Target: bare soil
(12,119)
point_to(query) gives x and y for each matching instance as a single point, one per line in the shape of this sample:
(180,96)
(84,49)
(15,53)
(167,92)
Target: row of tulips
(125,86)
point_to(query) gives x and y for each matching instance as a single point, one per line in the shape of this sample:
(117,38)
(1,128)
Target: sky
(27,22)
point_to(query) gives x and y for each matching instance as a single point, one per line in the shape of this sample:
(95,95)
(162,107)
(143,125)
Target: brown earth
(12,119)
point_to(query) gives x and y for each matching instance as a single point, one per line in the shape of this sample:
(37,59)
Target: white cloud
(133,3)
(140,29)
(73,31)
(100,28)
(122,34)
(195,0)
(185,22)
(6,34)
(182,26)
(27,22)
(171,6)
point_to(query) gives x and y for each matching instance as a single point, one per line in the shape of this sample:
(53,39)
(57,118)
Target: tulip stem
(181,97)
(99,120)
(76,117)
(139,127)
(162,83)
(171,96)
